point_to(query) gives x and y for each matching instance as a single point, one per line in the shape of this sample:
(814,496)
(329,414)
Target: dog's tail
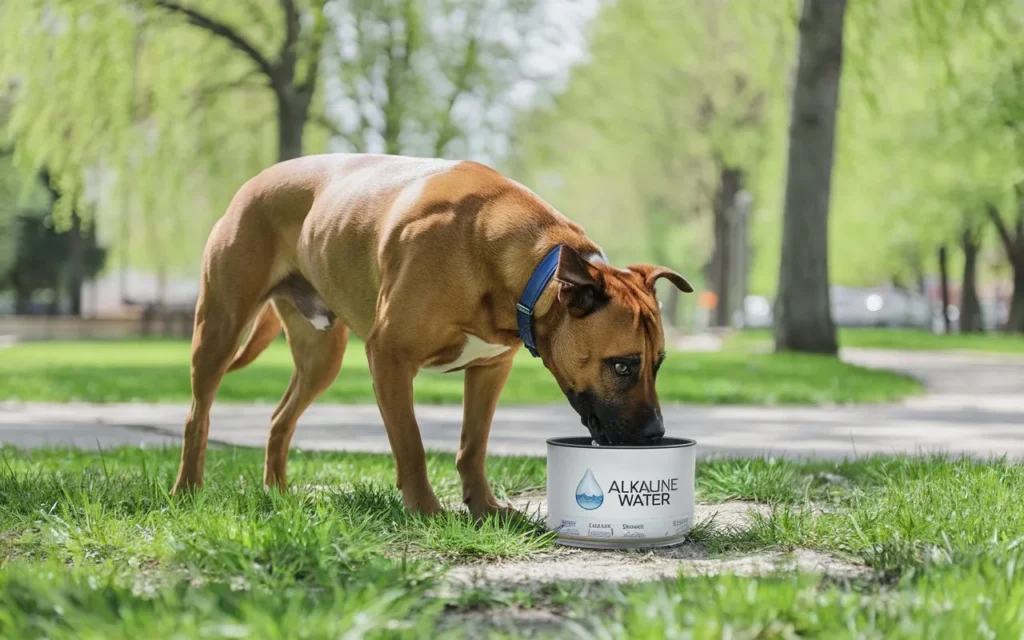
(266,327)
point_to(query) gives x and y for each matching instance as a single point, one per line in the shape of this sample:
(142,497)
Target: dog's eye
(622,369)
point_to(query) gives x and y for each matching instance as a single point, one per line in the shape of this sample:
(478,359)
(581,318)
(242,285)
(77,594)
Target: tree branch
(316,45)
(362,46)
(352,138)
(287,55)
(221,30)
(204,93)
(326,123)
(1019,190)
(398,55)
(1004,233)
(259,17)
(465,71)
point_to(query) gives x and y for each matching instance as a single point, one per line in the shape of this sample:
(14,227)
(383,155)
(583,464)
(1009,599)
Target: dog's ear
(581,287)
(651,274)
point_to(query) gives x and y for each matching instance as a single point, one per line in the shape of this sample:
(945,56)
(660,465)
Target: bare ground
(567,564)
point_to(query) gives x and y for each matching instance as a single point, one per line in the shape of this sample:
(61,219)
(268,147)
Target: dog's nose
(654,429)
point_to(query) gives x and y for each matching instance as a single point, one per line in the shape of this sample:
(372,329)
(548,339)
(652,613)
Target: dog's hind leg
(218,328)
(231,288)
(317,354)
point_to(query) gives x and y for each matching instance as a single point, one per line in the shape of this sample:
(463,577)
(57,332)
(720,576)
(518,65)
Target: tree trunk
(670,312)
(944,283)
(742,254)
(125,240)
(1015,323)
(22,301)
(76,254)
(803,314)
(76,265)
(161,286)
(724,260)
(971,320)
(1013,243)
(920,285)
(292,111)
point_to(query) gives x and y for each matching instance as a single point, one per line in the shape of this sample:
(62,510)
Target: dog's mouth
(607,432)
(607,435)
(593,425)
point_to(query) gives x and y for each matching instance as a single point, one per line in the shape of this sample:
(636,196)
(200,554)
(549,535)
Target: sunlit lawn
(91,546)
(896,339)
(158,371)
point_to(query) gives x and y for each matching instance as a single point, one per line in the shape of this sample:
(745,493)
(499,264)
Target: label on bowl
(620,494)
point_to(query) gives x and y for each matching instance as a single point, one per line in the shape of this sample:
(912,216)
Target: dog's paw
(496,510)
(428,506)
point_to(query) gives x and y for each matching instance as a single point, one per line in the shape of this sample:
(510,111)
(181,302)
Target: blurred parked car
(875,307)
(994,313)
(757,312)
(880,307)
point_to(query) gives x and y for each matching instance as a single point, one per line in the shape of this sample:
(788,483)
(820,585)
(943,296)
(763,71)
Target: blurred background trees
(151,113)
(672,131)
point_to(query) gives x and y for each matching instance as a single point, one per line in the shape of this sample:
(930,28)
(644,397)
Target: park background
(806,164)
(662,127)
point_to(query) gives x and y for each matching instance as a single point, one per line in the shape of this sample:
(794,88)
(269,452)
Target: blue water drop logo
(588,492)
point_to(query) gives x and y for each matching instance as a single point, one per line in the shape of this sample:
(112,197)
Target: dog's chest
(472,350)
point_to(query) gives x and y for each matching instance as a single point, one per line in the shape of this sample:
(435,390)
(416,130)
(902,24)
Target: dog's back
(348,223)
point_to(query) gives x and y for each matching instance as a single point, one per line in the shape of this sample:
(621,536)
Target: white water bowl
(620,497)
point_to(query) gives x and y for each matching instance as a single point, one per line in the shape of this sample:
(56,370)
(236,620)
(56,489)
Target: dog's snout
(654,429)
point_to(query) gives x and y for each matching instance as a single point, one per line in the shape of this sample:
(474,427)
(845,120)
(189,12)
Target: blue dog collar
(538,282)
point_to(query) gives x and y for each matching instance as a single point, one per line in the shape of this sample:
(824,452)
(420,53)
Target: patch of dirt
(8,545)
(521,622)
(630,567)
(568,564)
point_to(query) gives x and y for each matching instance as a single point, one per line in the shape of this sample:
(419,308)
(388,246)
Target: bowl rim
(584,442)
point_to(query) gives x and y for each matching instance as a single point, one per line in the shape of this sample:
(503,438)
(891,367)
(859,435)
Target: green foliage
(157,111)
(43,254)
(18,198)
(34,253)
(139,112)
(926,132)
(419,77)
(671,93)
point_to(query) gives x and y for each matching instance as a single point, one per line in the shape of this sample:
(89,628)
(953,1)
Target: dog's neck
(546,323)
(547,313)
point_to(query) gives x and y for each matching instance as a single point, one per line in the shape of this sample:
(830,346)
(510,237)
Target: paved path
(975,405)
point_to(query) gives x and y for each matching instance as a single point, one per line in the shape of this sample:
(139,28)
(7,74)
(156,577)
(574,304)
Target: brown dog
(426,261)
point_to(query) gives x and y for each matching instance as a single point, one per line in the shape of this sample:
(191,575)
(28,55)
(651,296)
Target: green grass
(896,339)
(158,371)
(91,546)
(981,599)
(89,539)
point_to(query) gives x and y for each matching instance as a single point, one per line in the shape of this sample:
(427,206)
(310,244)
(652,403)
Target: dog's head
(607,345)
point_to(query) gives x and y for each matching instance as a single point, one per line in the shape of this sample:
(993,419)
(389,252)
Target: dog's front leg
(482,389)
(392,384)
